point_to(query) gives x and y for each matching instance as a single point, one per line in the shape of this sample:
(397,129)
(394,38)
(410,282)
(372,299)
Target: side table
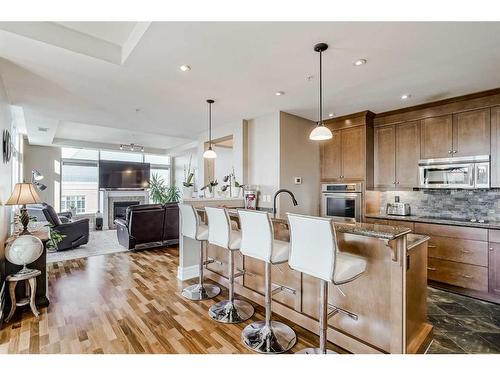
(29,279)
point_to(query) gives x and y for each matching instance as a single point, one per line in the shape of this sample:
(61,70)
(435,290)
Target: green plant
(210,186)
(161,193)
(172,194)
(158,189)
(188,174)
(55,237)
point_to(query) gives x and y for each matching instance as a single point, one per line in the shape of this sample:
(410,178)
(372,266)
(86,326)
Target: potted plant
(233,186)
(160,193)
(72,209)
(209,188)
(188,184)
(55,238)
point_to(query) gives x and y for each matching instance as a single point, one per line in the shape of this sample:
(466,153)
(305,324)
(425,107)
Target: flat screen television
(123,175)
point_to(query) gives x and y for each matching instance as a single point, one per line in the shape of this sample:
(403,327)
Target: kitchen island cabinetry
(389,298)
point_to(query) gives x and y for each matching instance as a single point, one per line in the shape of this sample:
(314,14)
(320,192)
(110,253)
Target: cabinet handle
(454,151)
(449,151)
(431,269)
(432,246)
(490,249)
(465,251)
(467,276)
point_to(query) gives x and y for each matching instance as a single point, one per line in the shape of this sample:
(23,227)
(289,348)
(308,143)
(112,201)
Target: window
(79,181)
(160,165)
(73,201)
(157,159)
(163,174)
(79,153)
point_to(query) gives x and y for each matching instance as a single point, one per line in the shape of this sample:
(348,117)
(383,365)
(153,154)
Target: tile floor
(463,324)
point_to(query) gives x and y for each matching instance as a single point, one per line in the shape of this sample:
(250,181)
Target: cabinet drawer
(494,235)
(458,274)
(466,233)
(459,250)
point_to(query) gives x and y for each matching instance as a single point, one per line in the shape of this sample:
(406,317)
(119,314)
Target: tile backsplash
(467,204)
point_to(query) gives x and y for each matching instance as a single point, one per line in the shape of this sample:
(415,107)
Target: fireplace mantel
(107,198)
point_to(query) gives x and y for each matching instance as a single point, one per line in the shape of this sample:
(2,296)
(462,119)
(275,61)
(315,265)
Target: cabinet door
(436,137)
(331,155)
(471,133)
(495,147)
(494,268)
(407,154)
(385,156)
(353,156)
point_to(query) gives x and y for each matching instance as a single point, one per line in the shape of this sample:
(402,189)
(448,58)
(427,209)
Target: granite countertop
(437,220)
(413,240)
(385,232)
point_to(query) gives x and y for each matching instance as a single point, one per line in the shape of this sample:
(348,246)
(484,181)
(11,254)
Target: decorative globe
(24,250)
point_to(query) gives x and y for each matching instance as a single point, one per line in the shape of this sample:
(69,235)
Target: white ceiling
(241,66)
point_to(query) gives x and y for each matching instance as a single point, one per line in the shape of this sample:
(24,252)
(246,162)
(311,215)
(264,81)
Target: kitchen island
(389,298)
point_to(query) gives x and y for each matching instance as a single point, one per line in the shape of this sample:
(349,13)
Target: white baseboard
(186,273)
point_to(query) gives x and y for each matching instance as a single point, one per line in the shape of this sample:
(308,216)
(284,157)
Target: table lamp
(24,193)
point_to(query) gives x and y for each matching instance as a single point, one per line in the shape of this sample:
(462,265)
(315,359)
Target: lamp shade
(209,154)
(320,133)
(24,193)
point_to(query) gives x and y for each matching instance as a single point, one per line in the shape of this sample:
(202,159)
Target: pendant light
(320,132)
(210,154)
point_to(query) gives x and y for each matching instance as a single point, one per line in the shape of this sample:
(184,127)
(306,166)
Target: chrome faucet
(276,196)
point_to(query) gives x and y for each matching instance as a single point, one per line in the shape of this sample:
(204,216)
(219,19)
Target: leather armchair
(76,232)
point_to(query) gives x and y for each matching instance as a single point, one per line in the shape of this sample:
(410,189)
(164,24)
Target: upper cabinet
(461,134)
(436,137)
(397,151)
(348,156)
(495,147)
(471,133)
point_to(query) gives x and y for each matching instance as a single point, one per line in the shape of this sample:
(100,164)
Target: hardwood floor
(126,303)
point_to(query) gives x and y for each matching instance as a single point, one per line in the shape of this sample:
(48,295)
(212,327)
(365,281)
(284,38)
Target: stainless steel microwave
(455,173)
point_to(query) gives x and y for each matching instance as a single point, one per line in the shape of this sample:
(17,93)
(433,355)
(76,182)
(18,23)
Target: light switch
(297,180)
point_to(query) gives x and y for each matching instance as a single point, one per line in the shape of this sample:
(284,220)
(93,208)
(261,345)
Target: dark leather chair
(75,232)
(149,224)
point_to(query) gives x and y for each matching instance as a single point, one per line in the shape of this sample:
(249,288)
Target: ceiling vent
(44,130)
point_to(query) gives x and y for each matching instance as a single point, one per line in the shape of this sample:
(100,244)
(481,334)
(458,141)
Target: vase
(236,192)
(208,193)
(187,192)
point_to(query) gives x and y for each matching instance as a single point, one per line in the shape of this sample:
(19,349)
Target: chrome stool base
(226,312)
(315,351)
(278,338)
(200,292)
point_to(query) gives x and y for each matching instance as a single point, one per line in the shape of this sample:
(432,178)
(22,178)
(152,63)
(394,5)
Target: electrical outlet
(297,180)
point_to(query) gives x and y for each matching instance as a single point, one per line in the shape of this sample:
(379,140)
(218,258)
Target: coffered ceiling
(126,76)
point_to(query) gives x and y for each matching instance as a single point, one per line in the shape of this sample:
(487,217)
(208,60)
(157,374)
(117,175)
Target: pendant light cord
(320,122)
(210,125)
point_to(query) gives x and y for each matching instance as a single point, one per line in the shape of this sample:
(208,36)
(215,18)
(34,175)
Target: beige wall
(5,181)
(263,153)
(299,157)
(47,161)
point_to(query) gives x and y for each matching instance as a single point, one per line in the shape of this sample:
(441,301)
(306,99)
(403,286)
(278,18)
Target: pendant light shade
(320,132)
(210,154)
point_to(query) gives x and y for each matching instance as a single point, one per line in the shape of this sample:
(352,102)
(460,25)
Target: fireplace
(120,209)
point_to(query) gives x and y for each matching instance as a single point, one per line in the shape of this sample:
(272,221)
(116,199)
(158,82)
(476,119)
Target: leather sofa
(149,225)
(75,232)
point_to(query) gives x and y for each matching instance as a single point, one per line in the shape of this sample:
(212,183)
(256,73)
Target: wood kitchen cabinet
(436,137)
(343,156)
(353,153)
(460,134)
(495,147)
(494,268)
(471,133)
(397,151)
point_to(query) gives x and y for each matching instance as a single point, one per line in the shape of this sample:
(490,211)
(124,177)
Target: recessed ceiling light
(331,114)
(359,62)
(279,93)
(185,68)
(405,96)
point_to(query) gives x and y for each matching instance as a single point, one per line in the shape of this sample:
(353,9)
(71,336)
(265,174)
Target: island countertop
(385,232)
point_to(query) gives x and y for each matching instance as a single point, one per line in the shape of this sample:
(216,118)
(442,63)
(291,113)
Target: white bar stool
(220,233)
(258,242)
(314,251)
(192,228)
